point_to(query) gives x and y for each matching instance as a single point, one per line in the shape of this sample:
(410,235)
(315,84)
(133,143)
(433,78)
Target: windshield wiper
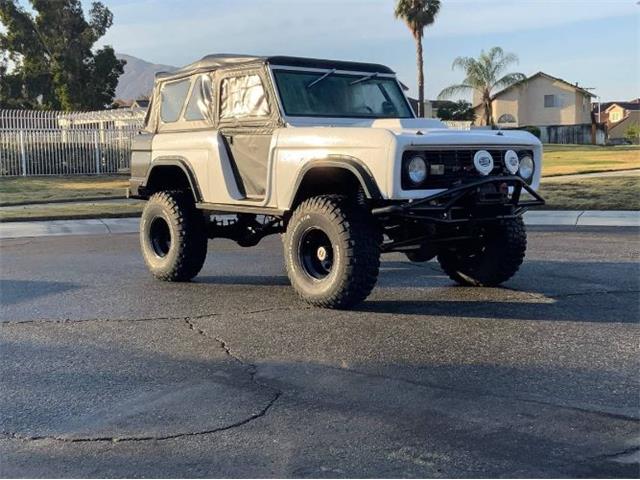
(364,79)
(318,80)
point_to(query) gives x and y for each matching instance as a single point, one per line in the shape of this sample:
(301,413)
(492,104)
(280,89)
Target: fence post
(97,148)
(23,156)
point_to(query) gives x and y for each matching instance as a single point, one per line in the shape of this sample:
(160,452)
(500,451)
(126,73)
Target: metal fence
(66,143)
(458,124)
(582,134)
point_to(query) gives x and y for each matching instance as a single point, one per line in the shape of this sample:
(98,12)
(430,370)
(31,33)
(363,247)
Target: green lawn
(16,190)
(608,193)
(568,159)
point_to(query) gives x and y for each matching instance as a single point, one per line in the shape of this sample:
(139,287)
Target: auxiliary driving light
(483,161)
(511,161)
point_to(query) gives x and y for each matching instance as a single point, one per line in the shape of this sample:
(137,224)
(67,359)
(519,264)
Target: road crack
(145,319)
(251,418)
(249,367)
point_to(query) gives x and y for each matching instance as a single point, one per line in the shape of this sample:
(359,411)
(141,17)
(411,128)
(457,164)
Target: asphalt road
(106,372)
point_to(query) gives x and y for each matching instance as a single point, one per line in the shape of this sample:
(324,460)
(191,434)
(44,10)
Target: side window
(173,97)
(242,97)
(199,106)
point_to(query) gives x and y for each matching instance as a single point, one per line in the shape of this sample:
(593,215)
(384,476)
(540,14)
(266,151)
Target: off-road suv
(331,155)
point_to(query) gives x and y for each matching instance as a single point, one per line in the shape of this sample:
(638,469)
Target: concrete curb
(584,218)
(113,226)
(101,226)
(64,201)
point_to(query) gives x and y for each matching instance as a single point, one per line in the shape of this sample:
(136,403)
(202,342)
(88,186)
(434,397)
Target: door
(247,121)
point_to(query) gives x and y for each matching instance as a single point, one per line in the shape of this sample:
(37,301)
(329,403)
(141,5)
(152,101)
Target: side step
(226,208)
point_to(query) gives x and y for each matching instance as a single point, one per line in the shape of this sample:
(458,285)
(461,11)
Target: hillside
(137,79)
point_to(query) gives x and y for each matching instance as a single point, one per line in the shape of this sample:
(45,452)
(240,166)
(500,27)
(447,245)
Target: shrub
(632,133)
(532,130)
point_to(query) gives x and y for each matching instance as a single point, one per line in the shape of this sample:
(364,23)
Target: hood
(423,131)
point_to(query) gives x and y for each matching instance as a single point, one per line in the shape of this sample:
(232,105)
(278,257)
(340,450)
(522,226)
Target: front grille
(451,167)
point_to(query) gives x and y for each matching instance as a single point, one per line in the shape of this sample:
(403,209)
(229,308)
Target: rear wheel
(332,252)
(491,259)
(173,236)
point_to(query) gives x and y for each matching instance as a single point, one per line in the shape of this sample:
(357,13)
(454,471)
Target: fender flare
(351,164)
(182,163)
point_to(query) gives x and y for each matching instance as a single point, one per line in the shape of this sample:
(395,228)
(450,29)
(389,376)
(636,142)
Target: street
(107,372)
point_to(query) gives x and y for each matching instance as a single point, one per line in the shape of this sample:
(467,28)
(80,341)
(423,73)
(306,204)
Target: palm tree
(484,75)
(418,14)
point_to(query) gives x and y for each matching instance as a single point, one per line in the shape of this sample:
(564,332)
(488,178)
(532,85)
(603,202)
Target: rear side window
(242,97)
(199,106)
(173,97)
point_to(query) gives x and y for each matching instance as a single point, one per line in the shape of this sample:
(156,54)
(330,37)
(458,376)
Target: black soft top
(225,60)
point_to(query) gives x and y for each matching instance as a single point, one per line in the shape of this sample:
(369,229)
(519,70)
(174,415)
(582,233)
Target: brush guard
(452,214)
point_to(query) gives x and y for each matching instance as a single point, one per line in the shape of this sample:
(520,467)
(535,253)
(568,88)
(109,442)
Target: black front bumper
(469,202)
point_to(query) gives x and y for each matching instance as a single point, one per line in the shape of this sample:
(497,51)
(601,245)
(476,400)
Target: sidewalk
(113,226)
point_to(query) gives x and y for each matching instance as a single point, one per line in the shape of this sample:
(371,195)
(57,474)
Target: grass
(615,193)
(17,190)
(111,209)
(569,159)
(608,193)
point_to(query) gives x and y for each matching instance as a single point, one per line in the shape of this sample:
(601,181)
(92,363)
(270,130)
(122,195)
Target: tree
(484,75)
(459,111)
(48,60)
(418,14)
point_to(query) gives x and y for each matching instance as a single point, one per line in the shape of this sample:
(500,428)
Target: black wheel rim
(160,236)
(316,253)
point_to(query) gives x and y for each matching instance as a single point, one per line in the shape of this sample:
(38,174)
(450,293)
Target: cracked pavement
(106,372)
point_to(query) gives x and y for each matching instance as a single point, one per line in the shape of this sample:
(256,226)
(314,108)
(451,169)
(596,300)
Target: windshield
(329,94)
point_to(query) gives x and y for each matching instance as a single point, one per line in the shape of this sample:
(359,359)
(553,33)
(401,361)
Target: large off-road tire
(332,251)
(173,236)
(491,259)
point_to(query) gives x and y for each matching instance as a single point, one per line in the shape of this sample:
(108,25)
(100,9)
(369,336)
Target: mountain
(137,79)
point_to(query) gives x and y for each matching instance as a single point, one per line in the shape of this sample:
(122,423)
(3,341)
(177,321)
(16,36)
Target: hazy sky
(593,42)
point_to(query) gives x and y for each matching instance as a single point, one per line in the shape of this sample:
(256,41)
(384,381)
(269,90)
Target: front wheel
(332,252)
(489,260)
(173,236)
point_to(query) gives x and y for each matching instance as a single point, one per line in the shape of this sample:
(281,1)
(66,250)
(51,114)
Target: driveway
(106,372)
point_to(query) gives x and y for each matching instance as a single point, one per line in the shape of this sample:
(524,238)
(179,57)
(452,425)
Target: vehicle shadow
(17,291)
(264,280)
(425,418)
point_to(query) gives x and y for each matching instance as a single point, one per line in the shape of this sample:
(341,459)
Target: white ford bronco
(331,155)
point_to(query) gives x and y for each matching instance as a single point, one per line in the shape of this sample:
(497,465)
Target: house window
(615,116)
(506,118)
(552,101)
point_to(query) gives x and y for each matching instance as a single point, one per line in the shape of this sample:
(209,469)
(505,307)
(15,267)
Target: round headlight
(483,161)
(526,167)
(417,170)
(511,161)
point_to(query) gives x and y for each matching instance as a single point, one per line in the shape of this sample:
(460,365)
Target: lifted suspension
(245,229)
